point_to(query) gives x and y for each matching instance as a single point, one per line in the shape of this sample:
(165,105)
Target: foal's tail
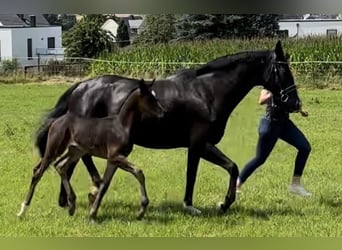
(60,109)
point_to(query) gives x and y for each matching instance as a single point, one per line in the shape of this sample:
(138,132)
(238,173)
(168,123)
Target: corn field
(315,60)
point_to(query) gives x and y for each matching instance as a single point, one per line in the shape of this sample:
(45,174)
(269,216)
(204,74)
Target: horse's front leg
(191,173)
(214,155)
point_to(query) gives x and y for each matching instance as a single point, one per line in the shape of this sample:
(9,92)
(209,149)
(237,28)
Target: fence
(316,73)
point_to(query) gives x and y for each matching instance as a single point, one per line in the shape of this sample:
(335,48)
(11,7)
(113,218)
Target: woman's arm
(265,95)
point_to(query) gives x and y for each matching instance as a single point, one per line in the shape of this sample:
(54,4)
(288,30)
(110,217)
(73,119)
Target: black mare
(197,106)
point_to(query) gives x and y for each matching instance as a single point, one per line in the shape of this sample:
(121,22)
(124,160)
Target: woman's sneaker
(298,189)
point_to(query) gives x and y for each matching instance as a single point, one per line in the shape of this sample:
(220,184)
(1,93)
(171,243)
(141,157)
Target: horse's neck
(129,110)
(236,90)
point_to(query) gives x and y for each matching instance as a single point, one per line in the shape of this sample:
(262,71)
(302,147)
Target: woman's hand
(303,112)
(265,95)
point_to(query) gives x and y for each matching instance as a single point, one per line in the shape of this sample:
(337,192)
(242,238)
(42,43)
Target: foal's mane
(233,59)
(127,97)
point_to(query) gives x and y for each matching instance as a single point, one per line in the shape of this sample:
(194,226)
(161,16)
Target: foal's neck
(129,109)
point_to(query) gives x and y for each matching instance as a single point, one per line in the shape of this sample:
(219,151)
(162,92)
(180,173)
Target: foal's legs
(112,166)
(38,172)
(214,155)
(139,175)
(107,177)
(95,177)
(61,168)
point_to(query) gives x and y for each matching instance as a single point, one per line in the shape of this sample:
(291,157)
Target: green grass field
(264,209)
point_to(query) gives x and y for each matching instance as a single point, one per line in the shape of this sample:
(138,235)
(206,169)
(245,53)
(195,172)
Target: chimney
(32,20)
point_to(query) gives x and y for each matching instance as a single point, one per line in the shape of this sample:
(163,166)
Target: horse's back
(101,96)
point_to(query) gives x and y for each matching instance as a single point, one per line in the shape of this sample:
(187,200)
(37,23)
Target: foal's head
(148,102)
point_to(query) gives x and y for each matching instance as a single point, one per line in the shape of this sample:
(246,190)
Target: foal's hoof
(91,199)
(22,211)
(191,210)
(72,208)
(93,219)
(92,195)
(141,214)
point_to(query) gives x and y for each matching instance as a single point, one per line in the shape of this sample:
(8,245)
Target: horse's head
(148,102)
(279,80)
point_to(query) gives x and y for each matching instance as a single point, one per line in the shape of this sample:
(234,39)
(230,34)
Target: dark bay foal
(107,138)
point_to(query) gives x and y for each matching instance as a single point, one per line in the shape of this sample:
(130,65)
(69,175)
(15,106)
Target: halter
(283,92)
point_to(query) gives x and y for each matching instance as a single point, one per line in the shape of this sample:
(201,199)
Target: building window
(29,49)
(51,42)
(331,33)
(283,33)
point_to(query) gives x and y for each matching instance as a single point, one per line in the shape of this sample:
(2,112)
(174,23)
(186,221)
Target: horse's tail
(60,109)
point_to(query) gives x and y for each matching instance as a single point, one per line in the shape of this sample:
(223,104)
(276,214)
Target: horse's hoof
(222,208)
(141,215)
(192,211)
(93,221)
(72,209)
(63,202)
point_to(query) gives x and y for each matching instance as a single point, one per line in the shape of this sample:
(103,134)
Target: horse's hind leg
(214,155)
(139,175)
(95,177)
(38,172)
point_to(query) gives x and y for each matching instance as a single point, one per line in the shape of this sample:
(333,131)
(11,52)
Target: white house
(133,24)
(31,42)
(310,27)
(111,27)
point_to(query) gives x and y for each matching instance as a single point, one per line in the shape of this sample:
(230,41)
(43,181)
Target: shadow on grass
(162,213)
(331,201)
(267,213)
(168,211)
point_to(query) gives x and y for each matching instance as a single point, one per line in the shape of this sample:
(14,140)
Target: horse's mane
(231,60)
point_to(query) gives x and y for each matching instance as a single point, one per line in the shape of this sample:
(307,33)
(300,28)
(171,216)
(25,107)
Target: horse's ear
(279,52)
(142,84)
(153,80)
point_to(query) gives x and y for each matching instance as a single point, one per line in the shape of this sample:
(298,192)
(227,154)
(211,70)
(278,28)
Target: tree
(64,20)
(122,36)
(157,29)
(87,39)
(208,26)
(197,26)
(257,25)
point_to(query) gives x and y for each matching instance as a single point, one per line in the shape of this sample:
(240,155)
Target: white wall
(111,26)
(310,27)
(39,37)
(6,44)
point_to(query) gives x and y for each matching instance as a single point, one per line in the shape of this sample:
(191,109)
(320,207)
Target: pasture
(265,208)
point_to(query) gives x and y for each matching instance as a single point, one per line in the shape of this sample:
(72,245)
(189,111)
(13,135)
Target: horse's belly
(163,135)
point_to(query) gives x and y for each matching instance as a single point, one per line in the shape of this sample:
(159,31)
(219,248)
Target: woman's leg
(268,136)
(292,135)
